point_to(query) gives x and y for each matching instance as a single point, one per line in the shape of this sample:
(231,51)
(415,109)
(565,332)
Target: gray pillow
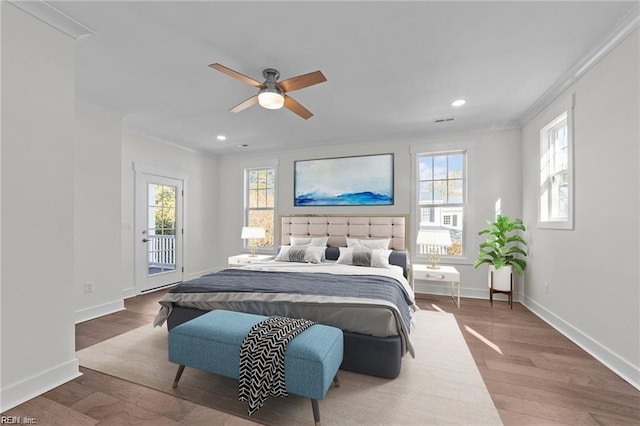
(300,254)
(360,256)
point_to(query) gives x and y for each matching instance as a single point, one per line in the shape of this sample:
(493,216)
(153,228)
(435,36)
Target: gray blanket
(366,304)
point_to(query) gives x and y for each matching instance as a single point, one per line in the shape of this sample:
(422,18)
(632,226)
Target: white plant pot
(501,278)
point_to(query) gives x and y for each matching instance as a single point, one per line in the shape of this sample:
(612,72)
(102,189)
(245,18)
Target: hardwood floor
(534,375)
(100,399)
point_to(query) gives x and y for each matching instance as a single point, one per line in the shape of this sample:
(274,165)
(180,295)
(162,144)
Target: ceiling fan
(273,93)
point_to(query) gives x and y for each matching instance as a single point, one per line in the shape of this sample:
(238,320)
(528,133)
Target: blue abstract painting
(345,181)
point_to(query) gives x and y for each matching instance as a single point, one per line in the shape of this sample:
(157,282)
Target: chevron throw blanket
(262,359)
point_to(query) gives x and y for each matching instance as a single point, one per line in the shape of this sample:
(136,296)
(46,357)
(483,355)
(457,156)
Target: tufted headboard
(338,228)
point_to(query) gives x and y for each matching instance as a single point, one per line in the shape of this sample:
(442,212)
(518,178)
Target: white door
(158,231)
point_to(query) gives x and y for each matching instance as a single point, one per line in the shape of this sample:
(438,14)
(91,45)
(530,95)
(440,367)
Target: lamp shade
(434,237)
(252,232)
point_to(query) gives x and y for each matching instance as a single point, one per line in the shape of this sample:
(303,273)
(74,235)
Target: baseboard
(620,366)
(130,292)
(98,311)
(21,392)
(444,289)
(133,291)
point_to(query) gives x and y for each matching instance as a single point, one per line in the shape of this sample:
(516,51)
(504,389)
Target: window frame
(457,258)
(247,209)
(546,219)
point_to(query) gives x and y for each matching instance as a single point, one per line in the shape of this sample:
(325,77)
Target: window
(441,197)
(556,174)
(427,215)
(260,203)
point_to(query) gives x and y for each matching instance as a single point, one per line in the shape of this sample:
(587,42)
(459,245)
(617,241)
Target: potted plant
(502,251)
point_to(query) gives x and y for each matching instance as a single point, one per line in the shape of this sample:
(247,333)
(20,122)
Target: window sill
(556,225)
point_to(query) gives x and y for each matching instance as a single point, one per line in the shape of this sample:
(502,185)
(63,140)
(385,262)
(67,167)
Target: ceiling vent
(443,120)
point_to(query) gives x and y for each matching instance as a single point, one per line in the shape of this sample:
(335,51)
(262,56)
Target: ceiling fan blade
(293,106)
(231,73)
(245,104)
(301,81)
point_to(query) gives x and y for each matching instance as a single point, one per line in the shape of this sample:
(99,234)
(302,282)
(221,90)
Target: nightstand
(444,273)
(245,259)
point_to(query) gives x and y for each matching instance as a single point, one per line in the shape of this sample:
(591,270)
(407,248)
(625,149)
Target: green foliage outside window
(261,203)
(165,210)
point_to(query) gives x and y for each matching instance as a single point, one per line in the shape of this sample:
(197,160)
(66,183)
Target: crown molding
(48,14)
(622,30)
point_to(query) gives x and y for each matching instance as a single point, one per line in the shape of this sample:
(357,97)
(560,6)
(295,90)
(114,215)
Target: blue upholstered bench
(212,341)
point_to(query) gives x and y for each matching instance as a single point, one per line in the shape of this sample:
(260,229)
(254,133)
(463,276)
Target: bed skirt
(374,356)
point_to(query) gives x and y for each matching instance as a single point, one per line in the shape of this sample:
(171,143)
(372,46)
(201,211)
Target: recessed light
(221,137)
(458,102)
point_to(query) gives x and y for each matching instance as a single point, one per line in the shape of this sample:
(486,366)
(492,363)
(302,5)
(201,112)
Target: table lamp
(434,239)
(252,233)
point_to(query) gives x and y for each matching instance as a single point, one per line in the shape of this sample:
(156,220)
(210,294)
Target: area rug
(442,385)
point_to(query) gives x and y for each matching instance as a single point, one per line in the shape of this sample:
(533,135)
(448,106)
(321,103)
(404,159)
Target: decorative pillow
(361,256)
(301,254)
(381,244)
(309,241)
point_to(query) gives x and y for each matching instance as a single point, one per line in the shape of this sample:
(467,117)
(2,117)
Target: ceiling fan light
(270,99)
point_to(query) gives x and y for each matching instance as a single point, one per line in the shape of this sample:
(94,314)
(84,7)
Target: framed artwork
(364,180)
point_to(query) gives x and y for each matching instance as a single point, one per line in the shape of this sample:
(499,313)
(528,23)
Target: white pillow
(381,244)
(361,256)
(309,241)
(301,254)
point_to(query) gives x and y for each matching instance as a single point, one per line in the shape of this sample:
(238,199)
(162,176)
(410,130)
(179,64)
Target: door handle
(144,240)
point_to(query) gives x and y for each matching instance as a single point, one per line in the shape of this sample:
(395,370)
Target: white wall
(493,172)
(97,232)
(592,271)
(38,300)
(200,202)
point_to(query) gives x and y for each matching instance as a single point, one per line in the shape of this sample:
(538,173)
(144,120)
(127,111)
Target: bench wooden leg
(178,375)
(336,382)
(316,411)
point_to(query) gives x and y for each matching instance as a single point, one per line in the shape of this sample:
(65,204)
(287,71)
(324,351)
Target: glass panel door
(158,231)
(161,231)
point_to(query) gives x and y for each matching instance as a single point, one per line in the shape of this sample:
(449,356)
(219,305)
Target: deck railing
(162,251)
(429,248)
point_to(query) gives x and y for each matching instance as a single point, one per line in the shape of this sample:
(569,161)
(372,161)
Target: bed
(372,302)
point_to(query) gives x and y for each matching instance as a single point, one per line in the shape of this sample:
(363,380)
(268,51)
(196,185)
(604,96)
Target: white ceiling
(392,68)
